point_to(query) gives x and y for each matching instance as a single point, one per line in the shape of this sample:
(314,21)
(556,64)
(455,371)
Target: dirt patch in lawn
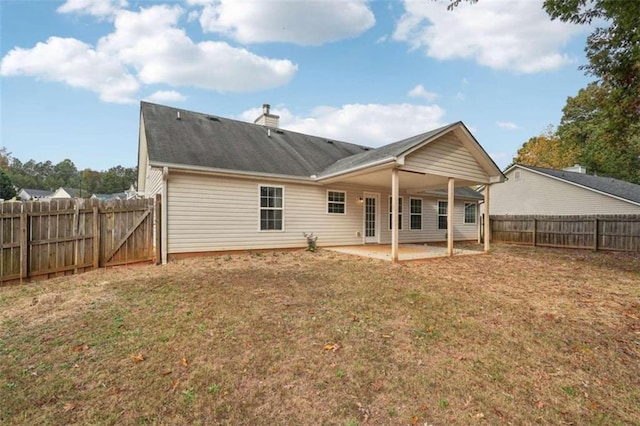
(522,336)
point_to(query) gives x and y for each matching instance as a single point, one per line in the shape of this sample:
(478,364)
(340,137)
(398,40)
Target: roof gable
(605,185)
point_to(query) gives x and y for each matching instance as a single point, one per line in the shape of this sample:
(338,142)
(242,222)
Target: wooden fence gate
(42,239)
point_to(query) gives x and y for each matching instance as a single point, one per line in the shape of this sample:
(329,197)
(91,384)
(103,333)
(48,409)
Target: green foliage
(547,150)
(602,119)
(7,190)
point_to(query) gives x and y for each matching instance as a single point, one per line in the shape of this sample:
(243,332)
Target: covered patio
(440,160)
(407,252)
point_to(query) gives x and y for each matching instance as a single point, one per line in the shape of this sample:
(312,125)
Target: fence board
(64,236)
(595,232)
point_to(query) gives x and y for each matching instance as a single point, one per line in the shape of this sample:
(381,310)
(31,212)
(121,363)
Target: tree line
(48,176)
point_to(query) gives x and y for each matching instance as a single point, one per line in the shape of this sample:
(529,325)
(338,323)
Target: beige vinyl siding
(447,156)
(143,157)
(537,194)
(208,213)
(154,182)
(211,213)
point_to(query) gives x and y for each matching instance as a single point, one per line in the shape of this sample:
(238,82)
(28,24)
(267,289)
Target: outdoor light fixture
(360,200)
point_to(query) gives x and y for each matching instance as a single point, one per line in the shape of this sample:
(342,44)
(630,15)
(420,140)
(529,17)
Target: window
(416,213)
(442,215)
(399,213)
(271,208)
(470,212)
(336,202)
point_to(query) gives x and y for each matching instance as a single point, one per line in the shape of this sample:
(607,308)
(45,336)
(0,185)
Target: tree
(7,191)
(547,150)
(5,158)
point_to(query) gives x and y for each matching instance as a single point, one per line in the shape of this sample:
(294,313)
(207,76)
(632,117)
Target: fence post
(24,244)
(535,231)
(595,234)
(96,237)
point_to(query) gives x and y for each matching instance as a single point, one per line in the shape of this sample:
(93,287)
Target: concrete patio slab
(405,251)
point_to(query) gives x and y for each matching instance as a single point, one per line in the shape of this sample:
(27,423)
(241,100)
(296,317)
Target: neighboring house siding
(447,157)
(216,214)
(153,183)
(536,194)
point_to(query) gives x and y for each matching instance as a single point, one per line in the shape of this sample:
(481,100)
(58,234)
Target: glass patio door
(371,218)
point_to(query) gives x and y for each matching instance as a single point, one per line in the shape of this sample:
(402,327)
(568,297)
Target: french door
(371,228)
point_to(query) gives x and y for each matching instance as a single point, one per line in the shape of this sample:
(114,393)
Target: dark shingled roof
(615,187)
(208,141)
(38,193)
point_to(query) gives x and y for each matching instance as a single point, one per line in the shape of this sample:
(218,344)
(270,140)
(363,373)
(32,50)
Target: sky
(73,73)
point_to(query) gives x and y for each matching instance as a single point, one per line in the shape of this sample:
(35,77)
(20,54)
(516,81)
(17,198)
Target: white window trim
(464,215)
(327,202)
(438,214)
(416,214)
(260,186)
(401,228)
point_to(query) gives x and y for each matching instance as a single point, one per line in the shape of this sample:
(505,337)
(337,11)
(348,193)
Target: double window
(399,213)
(336,202)
(416,213)
(271,208)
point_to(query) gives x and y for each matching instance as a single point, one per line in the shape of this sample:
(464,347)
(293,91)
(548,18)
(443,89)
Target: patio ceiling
(410,182)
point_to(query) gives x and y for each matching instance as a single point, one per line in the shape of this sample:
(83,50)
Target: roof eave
(374,164)
(228,172)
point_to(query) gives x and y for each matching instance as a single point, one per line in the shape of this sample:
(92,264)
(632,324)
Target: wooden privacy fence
(41,239)
(601,232)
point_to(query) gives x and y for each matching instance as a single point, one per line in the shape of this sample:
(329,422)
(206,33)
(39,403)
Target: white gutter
(164,237)
(230,172)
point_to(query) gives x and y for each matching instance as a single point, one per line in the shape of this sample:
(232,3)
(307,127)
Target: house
(109,197)
(66,192)
(34,194)
(230,185)
(538,191)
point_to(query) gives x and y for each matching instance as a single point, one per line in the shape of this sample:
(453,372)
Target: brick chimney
(268,119)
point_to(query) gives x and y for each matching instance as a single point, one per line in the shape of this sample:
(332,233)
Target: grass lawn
(522,336)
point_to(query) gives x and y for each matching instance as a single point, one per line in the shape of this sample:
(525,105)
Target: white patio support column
(450,207)
(487,221)
(395,193)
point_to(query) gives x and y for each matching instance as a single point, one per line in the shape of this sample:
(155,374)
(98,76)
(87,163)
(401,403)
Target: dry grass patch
(519,337)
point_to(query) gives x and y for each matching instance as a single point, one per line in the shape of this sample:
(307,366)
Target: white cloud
(100,8)
(166,96)
(147,47)
(516,35)
(366,124)
(75,63)
(420,92)
(507,125)
(297,22)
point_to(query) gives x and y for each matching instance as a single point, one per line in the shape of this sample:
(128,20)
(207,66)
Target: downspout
(165,184)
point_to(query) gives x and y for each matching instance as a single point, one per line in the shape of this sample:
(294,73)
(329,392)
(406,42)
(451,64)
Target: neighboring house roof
(607,185)
(202,140)
(36,193)
(107,197)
